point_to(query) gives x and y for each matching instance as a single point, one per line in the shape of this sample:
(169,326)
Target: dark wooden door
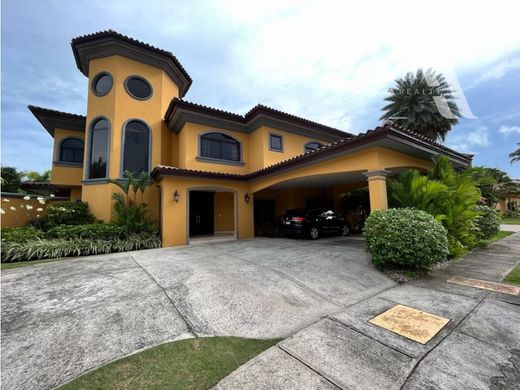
(201,213)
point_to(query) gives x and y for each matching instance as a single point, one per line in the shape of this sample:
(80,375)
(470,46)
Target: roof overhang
(109,43)
(52,119)
(181,112)
(386,137)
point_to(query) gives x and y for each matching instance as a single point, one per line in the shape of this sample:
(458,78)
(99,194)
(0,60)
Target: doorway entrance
(202,216)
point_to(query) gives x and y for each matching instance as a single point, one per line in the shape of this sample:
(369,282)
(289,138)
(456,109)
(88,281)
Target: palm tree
(422,102)
(515,156)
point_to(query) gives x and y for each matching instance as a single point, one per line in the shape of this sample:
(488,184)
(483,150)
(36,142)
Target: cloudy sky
(331,62)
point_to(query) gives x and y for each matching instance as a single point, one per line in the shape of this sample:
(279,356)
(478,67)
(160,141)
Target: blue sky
(326,61)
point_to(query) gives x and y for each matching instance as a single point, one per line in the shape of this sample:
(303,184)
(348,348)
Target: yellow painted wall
(21,215)
(65,175)
(224,211)
(174,225)
(75,193)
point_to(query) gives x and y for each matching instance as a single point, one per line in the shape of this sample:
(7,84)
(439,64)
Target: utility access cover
(411,323)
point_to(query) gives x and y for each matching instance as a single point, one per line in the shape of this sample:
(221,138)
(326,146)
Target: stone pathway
(479,348)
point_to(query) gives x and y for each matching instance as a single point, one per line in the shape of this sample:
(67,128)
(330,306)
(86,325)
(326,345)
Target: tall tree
(36,176)
(491,182)
(515,156)
(422,102)
(11,179)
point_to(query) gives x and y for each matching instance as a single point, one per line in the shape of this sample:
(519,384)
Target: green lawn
(500,235)
(514,276)
(188,364)
(511,220)
(18,264)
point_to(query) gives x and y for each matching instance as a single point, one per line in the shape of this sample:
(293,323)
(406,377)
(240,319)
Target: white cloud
(498,71)
(506,130)
(469,141)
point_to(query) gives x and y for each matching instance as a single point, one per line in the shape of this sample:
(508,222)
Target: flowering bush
(488,223)
(64,213)
(405,237)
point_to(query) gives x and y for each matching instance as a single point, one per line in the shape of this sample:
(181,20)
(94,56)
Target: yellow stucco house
(212,171)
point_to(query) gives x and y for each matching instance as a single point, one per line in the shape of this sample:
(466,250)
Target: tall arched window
(71,150)
(219,146)
(312,146)
(98,157)
(136,152)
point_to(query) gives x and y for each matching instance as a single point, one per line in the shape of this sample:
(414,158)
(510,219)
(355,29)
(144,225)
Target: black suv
(313,223)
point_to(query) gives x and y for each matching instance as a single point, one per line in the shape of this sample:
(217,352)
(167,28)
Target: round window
(102,84)
(138,87)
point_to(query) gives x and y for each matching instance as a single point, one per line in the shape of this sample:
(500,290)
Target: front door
(201,213)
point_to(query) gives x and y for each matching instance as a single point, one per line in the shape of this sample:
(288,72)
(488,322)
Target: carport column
(377,189)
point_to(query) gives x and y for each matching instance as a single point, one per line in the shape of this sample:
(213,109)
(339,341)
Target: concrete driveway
(62,319)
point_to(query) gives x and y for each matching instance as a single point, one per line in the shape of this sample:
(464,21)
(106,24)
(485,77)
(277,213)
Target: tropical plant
(405,237)
(424,103)
(63,213)
(494,184)
(449,196)
(129,207)
(487,224)
(515,156)
(11,179)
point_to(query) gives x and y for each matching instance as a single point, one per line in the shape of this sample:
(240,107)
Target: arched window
(219,146)
(312,146)
(98,157)
(136,152)
(71,150)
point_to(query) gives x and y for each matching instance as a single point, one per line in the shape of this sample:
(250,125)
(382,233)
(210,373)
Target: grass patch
(29,263)
(511,220)
(188,364)
(500,235)
(514,276)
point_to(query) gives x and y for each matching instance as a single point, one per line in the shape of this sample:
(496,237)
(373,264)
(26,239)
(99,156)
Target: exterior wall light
(247,197)
(176,196)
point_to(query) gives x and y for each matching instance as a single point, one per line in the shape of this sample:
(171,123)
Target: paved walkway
(61,319)
(478,349)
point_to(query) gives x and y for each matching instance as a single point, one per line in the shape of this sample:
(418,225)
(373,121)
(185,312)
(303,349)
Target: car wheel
(345,230)
(314,233)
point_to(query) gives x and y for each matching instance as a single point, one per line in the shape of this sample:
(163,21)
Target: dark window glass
(137,147)
(102,84)
(219,146)
(71,150)
(99,149)
(276,142)
(138,87)
(311,146)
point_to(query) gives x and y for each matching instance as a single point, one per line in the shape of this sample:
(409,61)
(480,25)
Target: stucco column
(377,189)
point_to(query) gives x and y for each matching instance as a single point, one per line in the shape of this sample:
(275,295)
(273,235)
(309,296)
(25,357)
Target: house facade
(211,171)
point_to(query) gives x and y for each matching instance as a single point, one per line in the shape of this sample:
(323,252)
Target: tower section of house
(130,85)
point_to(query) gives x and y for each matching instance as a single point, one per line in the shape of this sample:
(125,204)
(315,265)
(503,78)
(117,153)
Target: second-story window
(71,151)
(276,142)
(219,146)
(312,146)
(136,153)
(99,140)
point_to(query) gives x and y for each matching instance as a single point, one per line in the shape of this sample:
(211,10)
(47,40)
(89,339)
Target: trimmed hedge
(20,234)
(405,237)
(55,248)
(487,224)
(98,231)
(64,213)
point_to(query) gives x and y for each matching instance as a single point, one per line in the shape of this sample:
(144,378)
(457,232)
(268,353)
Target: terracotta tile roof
(250,115)
(114,34)
(361,139)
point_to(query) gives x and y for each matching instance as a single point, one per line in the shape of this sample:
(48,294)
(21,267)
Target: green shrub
(64,213)
(55,248)
(97,231)
(488,223)
(20,234)
(405,237)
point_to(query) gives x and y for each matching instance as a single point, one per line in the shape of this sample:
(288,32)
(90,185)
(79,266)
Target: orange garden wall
(21,216)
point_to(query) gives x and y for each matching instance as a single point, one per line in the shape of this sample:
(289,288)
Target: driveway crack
(189,324)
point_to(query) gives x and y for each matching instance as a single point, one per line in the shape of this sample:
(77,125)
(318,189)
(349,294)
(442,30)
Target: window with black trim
(312,146)
(219,146)
(71,150)
(102,84)
(98,158)
(138,87)
(276,142)
(136,152)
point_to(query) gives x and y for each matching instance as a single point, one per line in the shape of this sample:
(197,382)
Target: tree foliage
(515,156)
(11,179)
(422,102)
